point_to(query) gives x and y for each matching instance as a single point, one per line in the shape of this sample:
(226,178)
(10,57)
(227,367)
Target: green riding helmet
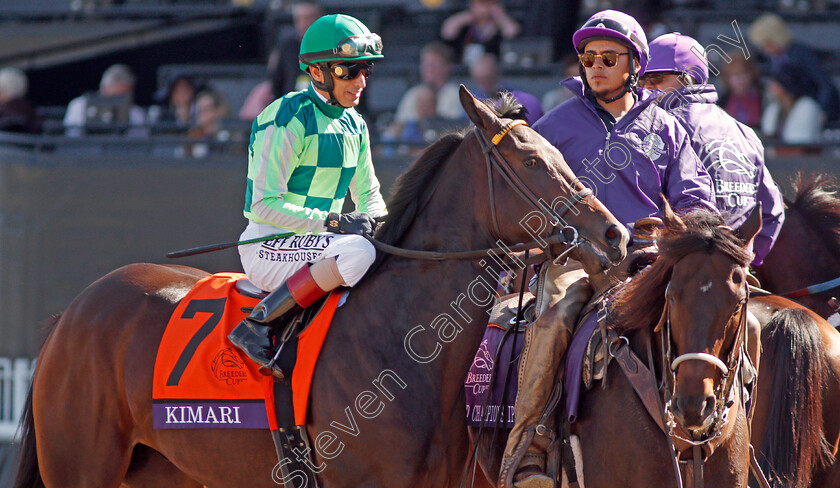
(338,37)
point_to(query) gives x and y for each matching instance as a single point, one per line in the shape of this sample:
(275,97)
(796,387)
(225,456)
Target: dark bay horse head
(695,293)
(525,168)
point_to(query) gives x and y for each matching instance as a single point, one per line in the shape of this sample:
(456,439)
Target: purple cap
(612,24)
(678,53)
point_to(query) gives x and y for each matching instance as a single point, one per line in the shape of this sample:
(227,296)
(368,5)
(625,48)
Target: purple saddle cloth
(483,400)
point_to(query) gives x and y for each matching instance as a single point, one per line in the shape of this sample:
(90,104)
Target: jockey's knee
(353,258)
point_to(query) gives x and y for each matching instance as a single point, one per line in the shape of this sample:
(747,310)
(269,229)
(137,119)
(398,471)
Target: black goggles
(349,71)
(609,58)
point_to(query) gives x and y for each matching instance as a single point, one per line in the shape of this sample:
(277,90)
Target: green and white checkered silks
(304,156)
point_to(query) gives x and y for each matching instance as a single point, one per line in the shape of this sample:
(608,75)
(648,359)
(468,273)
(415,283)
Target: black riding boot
(253,334)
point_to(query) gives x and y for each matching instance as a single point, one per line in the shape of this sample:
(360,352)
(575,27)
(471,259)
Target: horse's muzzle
(693,412)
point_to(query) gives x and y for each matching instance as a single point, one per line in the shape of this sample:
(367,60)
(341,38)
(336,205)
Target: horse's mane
(817,202)
(639,304)
(411,189)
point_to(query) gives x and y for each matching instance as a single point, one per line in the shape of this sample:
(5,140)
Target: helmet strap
(328,85)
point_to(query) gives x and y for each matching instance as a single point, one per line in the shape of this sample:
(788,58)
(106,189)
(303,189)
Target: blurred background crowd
(163,69)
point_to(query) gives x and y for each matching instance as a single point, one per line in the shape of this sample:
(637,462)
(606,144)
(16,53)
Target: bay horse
(410,328)
(689,307)
(796,425)
(807,250)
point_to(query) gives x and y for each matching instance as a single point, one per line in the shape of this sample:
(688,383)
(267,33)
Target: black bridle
(496,161)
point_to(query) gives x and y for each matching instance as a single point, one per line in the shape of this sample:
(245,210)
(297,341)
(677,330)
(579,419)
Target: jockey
(629,152)
(307,150)
(731,152)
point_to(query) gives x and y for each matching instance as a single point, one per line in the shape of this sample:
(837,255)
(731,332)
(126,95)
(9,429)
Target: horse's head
(704,318)
(532,193)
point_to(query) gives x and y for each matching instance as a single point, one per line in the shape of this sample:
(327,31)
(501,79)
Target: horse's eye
(530,163)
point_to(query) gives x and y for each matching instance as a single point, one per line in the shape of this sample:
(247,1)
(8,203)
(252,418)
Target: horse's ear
(478,112)
(751,227)
(672,221)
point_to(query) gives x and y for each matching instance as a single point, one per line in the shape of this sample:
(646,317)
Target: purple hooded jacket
(734,157)
(646,154)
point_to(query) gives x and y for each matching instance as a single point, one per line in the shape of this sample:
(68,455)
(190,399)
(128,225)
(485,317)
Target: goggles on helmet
(617,26)
(351,47)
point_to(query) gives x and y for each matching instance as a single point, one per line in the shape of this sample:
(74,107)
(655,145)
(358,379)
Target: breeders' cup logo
(476,380)
(723,155)
(653,146)
(229,368)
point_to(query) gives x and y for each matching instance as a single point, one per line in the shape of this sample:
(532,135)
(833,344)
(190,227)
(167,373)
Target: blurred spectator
(741,90)
(211,108)
(16,113)
(262,95)
(771,35)
(410,136)
(792,116)
(531,104)
(555,97)
(176,101)
(111,106)
(283,66)
(485,76)
(479,29)
(435,69)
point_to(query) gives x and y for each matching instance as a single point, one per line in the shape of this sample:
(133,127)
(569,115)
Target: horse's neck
(440,309)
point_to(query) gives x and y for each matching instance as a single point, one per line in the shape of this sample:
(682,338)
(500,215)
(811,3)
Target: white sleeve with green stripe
(280,149)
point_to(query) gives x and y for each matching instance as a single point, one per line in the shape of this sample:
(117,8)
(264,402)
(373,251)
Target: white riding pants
(270,263)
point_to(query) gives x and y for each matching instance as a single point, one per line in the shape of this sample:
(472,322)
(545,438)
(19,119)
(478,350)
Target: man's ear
(316,73)
(637,66)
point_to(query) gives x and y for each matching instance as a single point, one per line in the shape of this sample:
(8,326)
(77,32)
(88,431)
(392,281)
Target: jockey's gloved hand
(351,223)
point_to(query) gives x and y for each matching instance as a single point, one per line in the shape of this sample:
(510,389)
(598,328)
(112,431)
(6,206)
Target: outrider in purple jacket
(646,153)
(734,157)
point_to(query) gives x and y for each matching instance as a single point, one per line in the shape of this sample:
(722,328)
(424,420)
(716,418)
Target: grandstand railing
(15,377)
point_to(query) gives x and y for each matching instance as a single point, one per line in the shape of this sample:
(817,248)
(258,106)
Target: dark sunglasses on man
(349,71)
(655,78)
(609,58)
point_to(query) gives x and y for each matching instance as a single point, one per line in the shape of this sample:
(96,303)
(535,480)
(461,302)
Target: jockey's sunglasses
(349,71)
(609,58)
(350,47)
(655,78)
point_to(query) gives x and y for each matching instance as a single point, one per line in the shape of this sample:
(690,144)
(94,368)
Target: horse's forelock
(639,304)
(508,107)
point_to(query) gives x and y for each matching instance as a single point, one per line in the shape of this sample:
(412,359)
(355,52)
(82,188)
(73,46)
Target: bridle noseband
(724,392)
(495,160)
